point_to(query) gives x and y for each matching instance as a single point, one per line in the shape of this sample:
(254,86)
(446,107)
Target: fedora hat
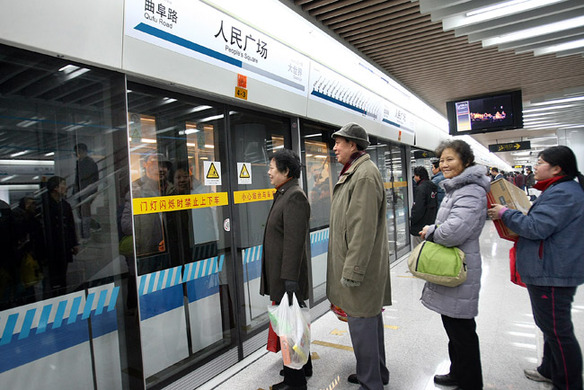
(355,133)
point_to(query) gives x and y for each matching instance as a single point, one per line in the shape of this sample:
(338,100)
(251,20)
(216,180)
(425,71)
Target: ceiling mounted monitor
(487,113)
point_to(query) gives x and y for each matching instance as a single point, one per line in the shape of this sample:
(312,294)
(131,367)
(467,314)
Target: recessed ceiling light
(561,47)
(559,100)
(535,31)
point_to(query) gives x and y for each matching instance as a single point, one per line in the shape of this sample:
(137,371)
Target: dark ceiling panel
(438,66)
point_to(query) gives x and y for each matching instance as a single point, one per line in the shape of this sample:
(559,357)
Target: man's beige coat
(358,242)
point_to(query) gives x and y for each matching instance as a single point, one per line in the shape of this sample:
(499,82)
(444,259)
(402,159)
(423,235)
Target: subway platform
(415,341)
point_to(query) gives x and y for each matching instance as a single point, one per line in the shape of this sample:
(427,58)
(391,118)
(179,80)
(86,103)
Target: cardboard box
(507,194)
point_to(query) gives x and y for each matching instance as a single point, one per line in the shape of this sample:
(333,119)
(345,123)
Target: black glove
(291,287)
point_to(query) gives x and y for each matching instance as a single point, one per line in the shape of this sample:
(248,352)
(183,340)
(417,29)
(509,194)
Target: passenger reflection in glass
(149,239)
(85,188)
(200,223)
(179,225)
(30,248)
(60,235)
(319,191)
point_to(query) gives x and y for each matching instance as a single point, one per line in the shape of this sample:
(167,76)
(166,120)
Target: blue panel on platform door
(161,301)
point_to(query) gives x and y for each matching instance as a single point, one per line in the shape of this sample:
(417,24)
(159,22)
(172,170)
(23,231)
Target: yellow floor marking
(333,383)
(406,276)
(332,345)
(314,356)
(337,332)
(391,327)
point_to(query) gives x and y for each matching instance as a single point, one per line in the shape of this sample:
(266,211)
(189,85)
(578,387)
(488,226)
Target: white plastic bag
(292,324)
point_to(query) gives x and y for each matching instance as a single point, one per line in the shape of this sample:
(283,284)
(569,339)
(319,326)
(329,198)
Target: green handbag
(438,264)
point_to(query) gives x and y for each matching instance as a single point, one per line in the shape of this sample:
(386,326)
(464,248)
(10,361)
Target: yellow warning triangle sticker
(136,133)
(244,174)
(212,173)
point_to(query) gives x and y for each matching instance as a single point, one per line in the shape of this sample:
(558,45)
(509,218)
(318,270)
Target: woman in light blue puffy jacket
(550,260)
(459,222)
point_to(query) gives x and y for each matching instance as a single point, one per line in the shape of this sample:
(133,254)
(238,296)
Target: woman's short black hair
(461,148)
(563,157)
(421,172)
(287,159)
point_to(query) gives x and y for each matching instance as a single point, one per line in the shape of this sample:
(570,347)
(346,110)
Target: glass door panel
(321,176)
(254,137)
(63,164)
(380,155)
(176,213)
(400,199)
(424,158)
(389,158)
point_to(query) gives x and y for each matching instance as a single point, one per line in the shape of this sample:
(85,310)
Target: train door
(397,155)
(390,160)
(177,216)
(253,138)
(322,171)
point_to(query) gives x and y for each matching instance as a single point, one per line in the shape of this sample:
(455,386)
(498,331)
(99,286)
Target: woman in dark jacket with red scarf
(284,260)
(549,260)
(425,204)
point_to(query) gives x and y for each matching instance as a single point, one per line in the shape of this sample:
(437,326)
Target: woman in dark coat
(284,260)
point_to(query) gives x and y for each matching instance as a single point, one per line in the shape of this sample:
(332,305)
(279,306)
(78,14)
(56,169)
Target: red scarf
(543,185)
(354,156)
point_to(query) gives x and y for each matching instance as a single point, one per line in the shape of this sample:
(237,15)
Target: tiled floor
(416,344)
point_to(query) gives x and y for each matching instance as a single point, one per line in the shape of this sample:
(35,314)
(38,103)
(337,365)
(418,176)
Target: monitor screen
(481,114)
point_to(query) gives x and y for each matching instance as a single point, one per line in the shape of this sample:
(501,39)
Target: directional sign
(510,147)
(423,154)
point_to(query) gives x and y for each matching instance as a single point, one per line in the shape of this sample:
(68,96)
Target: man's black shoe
(445,380)
(353,379)
(284,386)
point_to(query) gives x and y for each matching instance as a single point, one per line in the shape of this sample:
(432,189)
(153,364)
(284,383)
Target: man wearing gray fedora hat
(358,257)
